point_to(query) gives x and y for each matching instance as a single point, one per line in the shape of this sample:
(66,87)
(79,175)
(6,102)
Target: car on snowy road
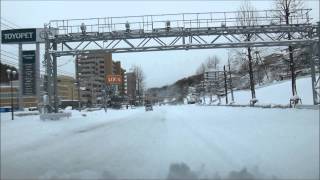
(148,107)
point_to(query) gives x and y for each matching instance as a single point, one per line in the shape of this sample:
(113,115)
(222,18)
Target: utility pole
(258,68)
(253,93)
(230,81)
(55,81)
(225,83)
(291,61)
(78,81)
(11,75)
(204,93)
(48,63)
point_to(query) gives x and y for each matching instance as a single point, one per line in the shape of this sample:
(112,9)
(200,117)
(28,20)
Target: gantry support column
(55,81)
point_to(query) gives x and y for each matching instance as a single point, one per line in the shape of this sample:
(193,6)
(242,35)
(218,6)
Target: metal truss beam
(232,30)
(266,35)
(187,47)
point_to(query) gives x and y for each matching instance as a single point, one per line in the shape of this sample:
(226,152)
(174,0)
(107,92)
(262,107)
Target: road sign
(113,79)
(25,36)
(18,35)
(28,72)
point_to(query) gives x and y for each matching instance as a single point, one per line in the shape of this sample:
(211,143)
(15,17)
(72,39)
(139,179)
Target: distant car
(148,107)
(33,108)
(116,105)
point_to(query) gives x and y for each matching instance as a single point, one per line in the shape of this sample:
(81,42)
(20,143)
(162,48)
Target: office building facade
(91,73)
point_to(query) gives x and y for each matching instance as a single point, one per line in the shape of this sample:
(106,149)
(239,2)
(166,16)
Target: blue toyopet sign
(19,36)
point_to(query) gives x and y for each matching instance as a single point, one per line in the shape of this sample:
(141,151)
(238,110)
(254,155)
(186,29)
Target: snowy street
(212,141)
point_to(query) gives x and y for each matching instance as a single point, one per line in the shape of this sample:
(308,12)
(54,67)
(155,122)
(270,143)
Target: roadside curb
(299,106)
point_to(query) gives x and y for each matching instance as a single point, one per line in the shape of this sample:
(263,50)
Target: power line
(10,46)
(6,26)
(10,22)
(6,61)
(7,52)
(15,63)
(16,56)
(69,60)
(7,56)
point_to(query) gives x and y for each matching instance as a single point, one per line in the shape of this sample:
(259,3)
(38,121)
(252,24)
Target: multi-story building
(92,70)
(67,89)
(119,71)
(131,86)
(5,96)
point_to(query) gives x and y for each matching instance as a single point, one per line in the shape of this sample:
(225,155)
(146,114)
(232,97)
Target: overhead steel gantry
(177,32)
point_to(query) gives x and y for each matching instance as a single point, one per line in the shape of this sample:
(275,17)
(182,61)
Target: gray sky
(160,68)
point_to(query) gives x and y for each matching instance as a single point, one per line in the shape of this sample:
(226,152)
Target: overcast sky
(161,68)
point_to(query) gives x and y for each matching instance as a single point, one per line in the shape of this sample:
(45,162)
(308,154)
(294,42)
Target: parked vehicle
(33,108)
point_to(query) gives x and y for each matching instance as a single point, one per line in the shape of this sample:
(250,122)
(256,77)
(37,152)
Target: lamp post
(11,75)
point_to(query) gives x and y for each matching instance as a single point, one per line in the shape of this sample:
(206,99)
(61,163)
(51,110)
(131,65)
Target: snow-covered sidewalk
(211,141)
(278,93)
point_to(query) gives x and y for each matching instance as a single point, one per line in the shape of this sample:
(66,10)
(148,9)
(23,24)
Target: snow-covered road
(211,141)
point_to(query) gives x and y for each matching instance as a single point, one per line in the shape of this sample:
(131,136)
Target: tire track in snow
(199,138)
(138,135)
(56,138)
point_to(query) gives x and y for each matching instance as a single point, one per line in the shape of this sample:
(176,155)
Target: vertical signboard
(28,73)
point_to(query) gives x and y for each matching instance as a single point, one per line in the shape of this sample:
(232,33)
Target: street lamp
(11,75)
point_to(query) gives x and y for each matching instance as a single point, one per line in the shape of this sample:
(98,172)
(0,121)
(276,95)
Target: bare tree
(140,81)
(247,17)
(201,69)
(286,8)
(238,61)
(212,62)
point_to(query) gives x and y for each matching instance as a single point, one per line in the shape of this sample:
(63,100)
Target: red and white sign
(113,79)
